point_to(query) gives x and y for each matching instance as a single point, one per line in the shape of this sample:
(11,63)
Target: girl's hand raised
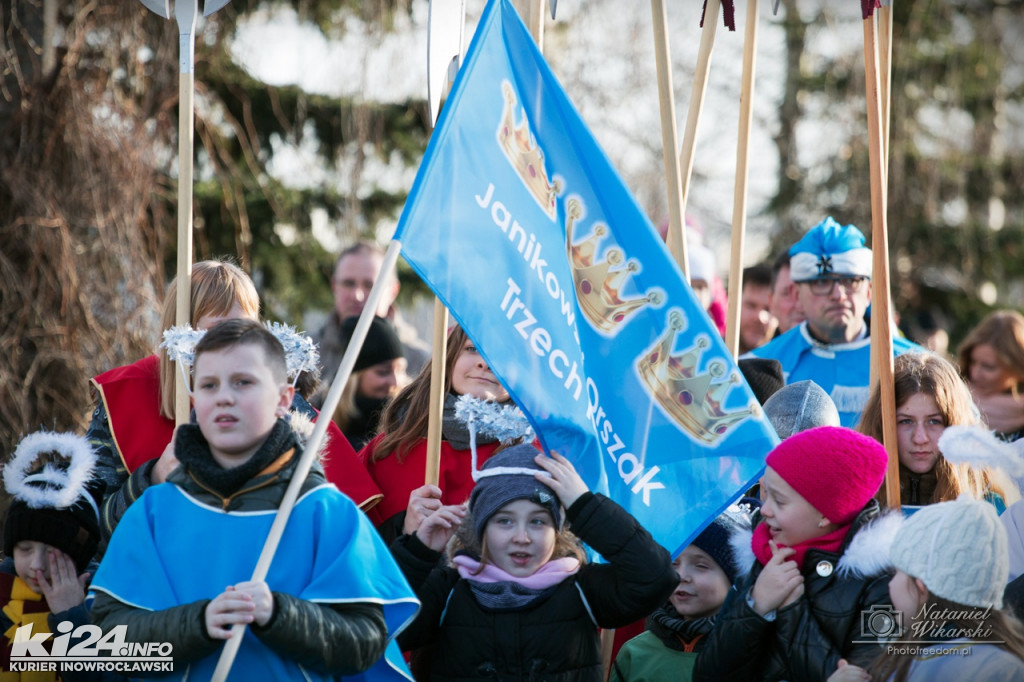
(778,582)
(438,528)
(564,480)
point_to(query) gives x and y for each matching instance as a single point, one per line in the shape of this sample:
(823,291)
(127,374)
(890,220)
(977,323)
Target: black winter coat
(555,637)
(808,637)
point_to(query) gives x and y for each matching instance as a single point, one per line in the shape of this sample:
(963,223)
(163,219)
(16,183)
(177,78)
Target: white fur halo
(62,487)
(979,447)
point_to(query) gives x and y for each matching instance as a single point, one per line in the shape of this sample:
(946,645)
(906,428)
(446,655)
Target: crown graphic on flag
(599,283)
(525,154)
(693,399)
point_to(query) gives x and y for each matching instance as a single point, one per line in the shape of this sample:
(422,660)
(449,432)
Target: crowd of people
(490,573)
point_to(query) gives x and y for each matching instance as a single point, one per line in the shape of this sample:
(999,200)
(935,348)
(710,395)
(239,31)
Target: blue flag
(524,230)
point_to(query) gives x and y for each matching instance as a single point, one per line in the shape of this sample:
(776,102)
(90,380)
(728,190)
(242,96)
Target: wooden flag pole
(676,235)
(535,22)
(444,56)
(739,206)
(700,84)
(348,361)
(885,66)
(881,329)
(432,475)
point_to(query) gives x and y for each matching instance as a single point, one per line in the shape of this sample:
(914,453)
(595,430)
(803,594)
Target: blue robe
(171,549)
(841,369)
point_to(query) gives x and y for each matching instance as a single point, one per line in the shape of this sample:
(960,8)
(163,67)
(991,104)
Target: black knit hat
(381,344)
(55,499)
(506,477)
(764,376)
(727,539)
(74,530)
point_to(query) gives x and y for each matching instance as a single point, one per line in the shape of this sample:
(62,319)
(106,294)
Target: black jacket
(555,637)
(808,637)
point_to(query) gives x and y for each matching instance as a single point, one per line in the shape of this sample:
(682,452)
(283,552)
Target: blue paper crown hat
(830,249)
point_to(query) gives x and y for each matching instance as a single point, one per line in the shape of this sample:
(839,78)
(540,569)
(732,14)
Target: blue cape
(170,549)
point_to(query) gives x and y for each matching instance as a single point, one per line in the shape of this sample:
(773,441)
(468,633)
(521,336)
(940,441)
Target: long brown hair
(1004,331)
(1002,629)
(932,375)
(215,288)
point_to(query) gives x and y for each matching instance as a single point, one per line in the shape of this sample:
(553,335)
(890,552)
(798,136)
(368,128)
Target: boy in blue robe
(178,566)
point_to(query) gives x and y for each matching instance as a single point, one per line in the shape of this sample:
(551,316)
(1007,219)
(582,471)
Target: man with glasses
(831,269)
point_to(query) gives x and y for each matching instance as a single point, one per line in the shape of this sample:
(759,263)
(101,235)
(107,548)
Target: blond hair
(216,287)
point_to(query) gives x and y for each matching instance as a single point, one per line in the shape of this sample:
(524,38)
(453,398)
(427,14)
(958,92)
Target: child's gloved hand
(423,502)
(64,589)
(780,583)
(564,480)
(438,528)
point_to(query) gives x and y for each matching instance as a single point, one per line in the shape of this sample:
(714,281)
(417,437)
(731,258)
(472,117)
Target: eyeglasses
(826,285)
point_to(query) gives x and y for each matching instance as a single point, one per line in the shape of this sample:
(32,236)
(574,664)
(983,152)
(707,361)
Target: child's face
(904,594)
(472,376)
(520,538)
(702,586)
(31,556)
(791,519)
(919,423)
(237,401)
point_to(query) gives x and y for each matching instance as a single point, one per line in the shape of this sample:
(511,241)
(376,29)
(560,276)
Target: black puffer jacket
(808,637)
(555,637)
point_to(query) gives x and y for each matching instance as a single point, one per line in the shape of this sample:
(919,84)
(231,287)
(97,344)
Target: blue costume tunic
(841,369)
(172,549)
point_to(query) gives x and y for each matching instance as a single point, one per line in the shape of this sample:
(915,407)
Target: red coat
(131,396)
(396,479)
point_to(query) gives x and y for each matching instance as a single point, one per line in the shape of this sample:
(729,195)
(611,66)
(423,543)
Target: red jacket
(396,479)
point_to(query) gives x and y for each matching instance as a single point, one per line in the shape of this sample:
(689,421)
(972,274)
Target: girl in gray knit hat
(947,621)
(517,599)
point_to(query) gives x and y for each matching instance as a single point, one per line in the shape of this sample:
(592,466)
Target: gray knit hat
(800,406)
(506,477)
(958,550)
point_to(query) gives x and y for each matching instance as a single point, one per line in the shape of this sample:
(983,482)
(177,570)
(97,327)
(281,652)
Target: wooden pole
(535,22)
(881,329)
(185,12)
(885,66)
(676,235)
(348,361)
(437,393)
(700,84)
(739,206)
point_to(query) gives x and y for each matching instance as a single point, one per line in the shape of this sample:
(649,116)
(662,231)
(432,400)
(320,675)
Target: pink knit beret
(834,468)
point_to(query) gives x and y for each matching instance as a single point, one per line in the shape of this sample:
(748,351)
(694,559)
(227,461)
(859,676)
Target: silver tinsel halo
(300,353)
(180,344)
(506,423)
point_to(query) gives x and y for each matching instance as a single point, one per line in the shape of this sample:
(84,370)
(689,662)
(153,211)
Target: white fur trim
(977,446)
(805,266)
(62,487)
(303,425)
(867,555)
(741,542)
